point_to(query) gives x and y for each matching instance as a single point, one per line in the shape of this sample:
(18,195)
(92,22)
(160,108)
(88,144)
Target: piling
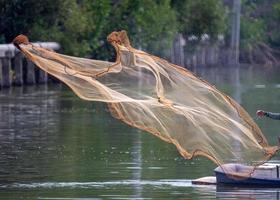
(177,52)
(30,75)
(15,70)
(6,72)
(18,69)
(42,76)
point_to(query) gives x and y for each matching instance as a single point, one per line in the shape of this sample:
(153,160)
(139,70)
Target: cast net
(166,100)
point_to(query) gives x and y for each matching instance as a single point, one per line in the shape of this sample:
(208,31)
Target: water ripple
(170,183)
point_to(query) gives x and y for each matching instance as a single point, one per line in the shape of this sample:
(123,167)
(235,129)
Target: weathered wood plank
(6,72)
(18,69)
(30,76)
(177,52)
(42,77)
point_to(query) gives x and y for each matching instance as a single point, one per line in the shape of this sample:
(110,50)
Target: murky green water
(55,146)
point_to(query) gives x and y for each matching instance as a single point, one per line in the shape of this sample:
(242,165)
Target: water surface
(55,146)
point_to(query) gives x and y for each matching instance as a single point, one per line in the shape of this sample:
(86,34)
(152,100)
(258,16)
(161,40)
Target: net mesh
(166,100)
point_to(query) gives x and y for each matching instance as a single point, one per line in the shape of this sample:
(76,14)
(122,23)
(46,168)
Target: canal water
(54,145)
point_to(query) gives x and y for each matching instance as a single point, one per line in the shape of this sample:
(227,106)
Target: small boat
(266,175)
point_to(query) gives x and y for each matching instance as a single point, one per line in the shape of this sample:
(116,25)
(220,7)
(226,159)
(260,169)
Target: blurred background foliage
(202,16)
(259,33)
(81,26)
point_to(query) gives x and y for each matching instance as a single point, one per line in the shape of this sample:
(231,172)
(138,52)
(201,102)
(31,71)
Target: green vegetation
(146,21)
(81,26)
(67,22)
(260,36)
(202,16)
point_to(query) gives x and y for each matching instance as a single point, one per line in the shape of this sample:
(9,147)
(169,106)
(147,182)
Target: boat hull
(224,179)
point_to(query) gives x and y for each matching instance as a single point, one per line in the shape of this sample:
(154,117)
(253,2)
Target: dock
(16,70)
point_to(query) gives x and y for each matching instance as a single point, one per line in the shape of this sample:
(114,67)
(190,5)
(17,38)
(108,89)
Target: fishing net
(163,99)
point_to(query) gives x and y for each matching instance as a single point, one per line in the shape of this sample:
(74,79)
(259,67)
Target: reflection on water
(159,183)
(55,146)
(247,193)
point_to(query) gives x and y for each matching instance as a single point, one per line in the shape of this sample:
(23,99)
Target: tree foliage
(260,30)
(201,17)
(82,26)
(274,33)
(151,24)
(48,20)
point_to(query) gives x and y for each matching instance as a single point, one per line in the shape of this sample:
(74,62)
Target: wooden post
(177,54)
(216,55)
(1,72)
(211,55)
(42,77)
(197,53)
(223,55)
(18,81)
(194,60)
(208,56)
(6,72)
(30,78)
(202,56)
(188,62)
